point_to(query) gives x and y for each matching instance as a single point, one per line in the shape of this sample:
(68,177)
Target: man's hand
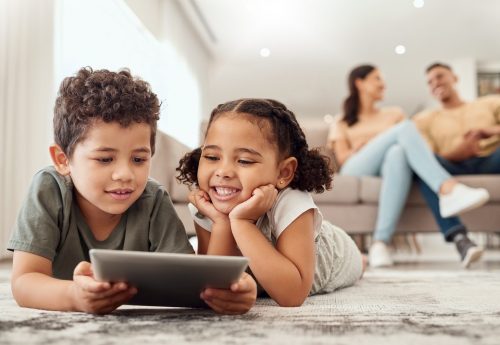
(260,202)
(238,300)
(478,134)
(470,147)
(96,297)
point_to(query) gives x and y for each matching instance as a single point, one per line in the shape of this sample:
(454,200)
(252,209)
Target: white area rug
(386,307)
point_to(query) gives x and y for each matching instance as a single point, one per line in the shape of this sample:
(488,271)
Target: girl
(380,142)
(253,175)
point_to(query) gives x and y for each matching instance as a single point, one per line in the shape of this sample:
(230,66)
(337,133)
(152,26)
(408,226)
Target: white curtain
(26,100)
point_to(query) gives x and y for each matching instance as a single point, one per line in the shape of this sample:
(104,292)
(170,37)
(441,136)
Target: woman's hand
(260,202)
(359,146)
(201,200)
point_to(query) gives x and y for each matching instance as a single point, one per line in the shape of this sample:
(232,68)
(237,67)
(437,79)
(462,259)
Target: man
(465,137)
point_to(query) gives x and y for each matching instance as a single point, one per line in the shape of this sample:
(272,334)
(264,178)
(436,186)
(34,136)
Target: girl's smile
(223,193)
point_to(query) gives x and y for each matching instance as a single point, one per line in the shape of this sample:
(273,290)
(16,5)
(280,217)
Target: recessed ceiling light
(265,52)
(418,3)
(400,49)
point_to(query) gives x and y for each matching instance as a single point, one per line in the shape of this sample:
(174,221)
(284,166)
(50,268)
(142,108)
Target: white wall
(466,71)
(26,101)
(167,22)
(489,66)
(314,90)
(115,38)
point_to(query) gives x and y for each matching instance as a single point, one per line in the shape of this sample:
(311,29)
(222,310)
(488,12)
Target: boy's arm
(34,287)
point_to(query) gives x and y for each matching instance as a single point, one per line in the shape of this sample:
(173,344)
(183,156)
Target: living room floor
(422,300)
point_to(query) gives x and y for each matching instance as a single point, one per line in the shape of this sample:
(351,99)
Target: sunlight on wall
(107,34)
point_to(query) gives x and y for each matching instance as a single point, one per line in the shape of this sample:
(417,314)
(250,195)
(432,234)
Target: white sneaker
(379,256)
(462,199)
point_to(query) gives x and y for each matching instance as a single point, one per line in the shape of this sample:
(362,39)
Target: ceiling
(314,43)
(318,30)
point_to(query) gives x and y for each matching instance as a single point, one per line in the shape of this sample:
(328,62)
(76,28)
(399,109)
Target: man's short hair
(438,64)
(91,96)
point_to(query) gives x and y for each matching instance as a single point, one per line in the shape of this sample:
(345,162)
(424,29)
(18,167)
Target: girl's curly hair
(313,172)
(102,95)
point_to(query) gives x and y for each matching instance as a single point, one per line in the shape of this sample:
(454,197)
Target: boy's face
(110,167)
(236,158)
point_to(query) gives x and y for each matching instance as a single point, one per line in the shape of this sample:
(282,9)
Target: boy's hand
(260,202)
(238,300)
(96,297)
(201,200)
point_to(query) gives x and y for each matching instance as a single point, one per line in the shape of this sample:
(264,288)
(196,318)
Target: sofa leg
(360,240)
(415,244)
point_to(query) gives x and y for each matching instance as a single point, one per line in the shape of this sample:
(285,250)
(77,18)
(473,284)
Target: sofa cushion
(178,192)
(316,132)
(166,159)
(490,182)
(345,191)
(370,188)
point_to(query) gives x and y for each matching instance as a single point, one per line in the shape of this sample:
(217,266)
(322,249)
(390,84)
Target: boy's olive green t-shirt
(51,225)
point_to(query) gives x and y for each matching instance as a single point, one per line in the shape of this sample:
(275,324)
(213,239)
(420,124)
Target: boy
(98,195)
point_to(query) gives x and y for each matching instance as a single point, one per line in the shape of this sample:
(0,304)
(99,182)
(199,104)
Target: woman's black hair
(352,102)
(313,171)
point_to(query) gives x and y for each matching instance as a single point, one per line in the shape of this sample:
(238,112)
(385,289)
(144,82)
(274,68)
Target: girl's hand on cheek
(260,202)
(201,200)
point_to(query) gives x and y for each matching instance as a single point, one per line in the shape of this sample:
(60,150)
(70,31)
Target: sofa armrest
(166,159)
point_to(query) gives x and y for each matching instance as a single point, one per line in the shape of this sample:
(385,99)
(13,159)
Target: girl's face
(372,86)
(236,158)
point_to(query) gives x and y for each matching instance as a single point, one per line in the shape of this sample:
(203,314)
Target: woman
(372,141)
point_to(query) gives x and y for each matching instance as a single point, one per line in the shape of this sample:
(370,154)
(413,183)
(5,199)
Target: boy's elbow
(17,294)
(290,301)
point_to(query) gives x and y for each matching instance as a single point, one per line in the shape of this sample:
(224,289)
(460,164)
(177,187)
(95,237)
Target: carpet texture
(387,306)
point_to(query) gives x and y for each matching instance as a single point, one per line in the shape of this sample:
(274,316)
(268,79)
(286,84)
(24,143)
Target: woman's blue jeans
(395,155)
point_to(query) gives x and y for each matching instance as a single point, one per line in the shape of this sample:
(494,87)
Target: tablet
(164,279)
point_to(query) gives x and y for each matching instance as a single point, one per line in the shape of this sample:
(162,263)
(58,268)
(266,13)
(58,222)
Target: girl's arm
(240,297)
(218,242)
(34,287)
(286,271)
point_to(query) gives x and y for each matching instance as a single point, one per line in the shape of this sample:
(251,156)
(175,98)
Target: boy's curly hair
(102,95)
(313,173)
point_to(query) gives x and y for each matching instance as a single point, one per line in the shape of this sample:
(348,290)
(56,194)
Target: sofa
(351,204)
